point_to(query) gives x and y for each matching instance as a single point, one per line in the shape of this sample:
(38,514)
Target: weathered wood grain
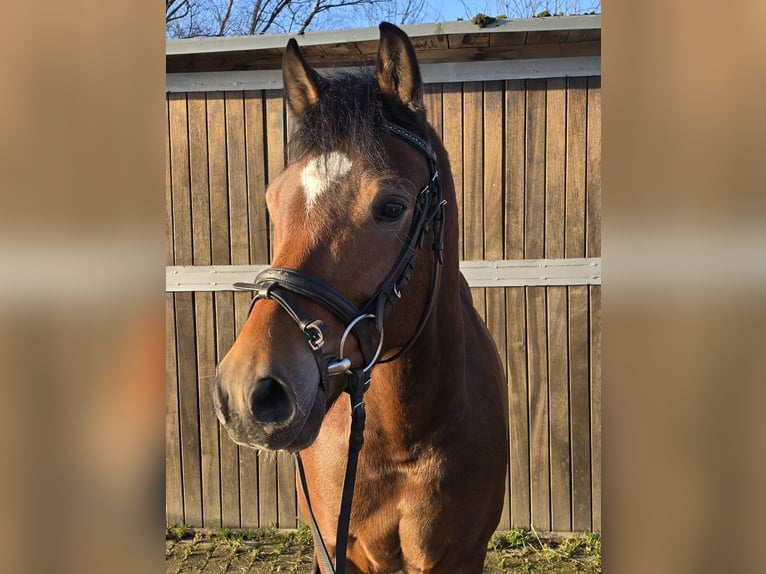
(203,313)
(174,499)
(579,408)
(525,156)
(558,376)
(537,356)
(258,220)
(515,304)
(184,314)
(174,503)
(432,98)
(578,306)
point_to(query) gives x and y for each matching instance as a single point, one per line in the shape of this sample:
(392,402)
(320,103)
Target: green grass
(518,550)
(178,532)
(518,538)
(522,550)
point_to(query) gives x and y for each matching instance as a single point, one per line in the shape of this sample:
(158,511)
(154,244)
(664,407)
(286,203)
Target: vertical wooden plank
(558,372)
(595,402)
(558,388)
(169,257)
(518,411)
(515,136)
(539,460)
(534,215)
(578,308)
(209,439)
(492,208)
(452,112)
(174,504)
(179,176)
(473,212)
(275,161)
(555,158)
(493,226)
(223,301)
(255,156)
(515,304)
(580,408)
(203,311)
(432,94)
(256,178)
(185,343)
(534,221)
(287,494)
(576,167)
(237,176)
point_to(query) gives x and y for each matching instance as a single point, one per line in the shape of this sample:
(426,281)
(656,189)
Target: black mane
(348,116)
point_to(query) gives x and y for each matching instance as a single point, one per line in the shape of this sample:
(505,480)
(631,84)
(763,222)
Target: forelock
(348,117)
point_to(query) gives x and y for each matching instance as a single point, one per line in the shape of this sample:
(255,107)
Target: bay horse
(366,266)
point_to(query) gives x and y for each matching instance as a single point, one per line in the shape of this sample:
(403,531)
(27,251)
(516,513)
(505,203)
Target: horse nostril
(269,402)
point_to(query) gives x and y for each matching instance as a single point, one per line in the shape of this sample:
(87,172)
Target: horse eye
(391,210)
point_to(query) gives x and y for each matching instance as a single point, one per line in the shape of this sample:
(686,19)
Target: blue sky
(450,9)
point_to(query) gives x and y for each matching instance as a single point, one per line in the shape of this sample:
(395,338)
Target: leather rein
(282,284)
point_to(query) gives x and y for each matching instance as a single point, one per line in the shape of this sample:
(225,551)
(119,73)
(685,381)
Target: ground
(263,551)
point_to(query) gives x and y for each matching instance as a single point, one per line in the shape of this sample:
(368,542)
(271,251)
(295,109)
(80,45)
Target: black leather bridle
(281,285)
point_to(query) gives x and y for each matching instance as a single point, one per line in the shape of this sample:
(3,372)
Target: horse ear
(300,80)
(397,67)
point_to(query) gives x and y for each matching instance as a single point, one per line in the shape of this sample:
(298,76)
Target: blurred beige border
(81,314)
(684,281)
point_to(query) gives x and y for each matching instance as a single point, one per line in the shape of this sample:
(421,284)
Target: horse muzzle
(267,413)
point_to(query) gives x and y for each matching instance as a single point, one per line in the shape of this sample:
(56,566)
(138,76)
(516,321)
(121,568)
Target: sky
(449,9)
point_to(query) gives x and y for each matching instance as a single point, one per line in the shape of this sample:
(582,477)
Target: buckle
(315,334)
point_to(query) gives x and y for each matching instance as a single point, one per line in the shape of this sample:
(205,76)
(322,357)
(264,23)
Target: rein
(281,284)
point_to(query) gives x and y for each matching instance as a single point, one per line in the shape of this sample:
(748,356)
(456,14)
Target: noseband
(281,285)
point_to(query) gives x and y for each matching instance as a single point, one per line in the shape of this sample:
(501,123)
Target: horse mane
(348,116)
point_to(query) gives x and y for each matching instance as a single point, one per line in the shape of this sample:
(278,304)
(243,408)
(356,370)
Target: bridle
(282,284)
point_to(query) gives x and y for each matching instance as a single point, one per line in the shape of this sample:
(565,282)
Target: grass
(522,550)
(271,550)
(178,532)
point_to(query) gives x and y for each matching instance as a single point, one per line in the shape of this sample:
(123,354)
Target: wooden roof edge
(270,41)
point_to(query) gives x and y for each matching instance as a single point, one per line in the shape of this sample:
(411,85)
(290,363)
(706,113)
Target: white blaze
(321,172)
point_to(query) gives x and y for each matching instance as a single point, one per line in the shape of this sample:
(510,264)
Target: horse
(366,266)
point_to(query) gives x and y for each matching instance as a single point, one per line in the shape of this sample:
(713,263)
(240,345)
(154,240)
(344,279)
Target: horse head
(348,213)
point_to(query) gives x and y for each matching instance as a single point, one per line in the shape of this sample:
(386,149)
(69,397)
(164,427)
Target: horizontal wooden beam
(506,273)
(432,74)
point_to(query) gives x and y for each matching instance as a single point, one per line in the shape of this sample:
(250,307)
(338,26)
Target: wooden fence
(526,162)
